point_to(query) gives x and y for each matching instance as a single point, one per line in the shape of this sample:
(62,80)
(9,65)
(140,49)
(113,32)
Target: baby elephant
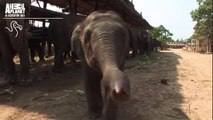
(104,40)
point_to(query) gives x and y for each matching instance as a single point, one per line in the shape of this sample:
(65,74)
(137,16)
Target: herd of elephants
(101,40)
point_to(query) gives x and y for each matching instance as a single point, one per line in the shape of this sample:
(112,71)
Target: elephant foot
(25,80)
(49,55)
(57,70)
(11,78)
(1,69)
(41,61)
(95,115)
(33,61)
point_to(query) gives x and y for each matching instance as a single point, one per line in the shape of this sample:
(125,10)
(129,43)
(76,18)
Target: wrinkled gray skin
(105,40)
(59,34)
(9,45)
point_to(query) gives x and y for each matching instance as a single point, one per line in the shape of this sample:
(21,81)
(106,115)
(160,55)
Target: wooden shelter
(124,7)
(42,12)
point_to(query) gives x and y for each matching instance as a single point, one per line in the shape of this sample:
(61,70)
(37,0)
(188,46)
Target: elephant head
(105,40)
(15,24)
(75,41)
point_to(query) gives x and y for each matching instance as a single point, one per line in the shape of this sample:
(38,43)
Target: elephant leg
(1,64)
(7,54)
(140,51)
(134,52)
(58,61)
(93,91)
(140,47)
(66,55)
(74,57)
(43,44)
(24,77)
(32,54)
(49,51)
(40,53)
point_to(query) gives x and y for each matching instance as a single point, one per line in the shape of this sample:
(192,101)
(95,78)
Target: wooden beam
(70,6)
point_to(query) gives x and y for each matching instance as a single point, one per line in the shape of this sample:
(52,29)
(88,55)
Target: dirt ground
(170,85)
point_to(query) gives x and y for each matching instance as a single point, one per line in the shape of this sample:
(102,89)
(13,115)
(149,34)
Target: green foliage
(203,16)
(162,34)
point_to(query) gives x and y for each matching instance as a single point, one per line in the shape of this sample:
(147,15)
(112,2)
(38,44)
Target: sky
(174,15)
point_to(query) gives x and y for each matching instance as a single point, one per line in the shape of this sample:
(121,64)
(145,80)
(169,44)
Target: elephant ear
(75,41)
(86,45)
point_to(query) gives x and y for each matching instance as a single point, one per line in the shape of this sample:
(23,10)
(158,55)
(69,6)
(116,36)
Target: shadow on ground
(155,92)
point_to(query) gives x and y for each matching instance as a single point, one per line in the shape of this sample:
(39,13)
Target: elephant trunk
(116,84)
(109,50)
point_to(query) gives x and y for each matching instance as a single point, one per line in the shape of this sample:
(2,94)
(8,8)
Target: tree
(203,16)
(162,34)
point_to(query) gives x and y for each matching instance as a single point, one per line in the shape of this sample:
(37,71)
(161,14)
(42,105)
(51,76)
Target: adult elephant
(59,34)
(156,44)
(139,41)
(134,41)
(142,40)
(35,46)
(39,35)
(104,38)
(145,44)
(13,40)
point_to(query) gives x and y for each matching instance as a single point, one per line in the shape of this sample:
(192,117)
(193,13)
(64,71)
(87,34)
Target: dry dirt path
(195,74)
(176,85)
(172,85)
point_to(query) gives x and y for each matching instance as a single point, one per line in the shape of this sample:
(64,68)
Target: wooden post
(70,6)
(45,7)
(43,27)
(96,4)
(76,6)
